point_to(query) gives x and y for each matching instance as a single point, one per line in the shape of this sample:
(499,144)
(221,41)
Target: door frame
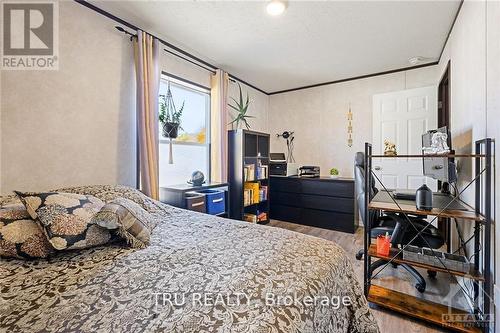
(444,99)
(444,119)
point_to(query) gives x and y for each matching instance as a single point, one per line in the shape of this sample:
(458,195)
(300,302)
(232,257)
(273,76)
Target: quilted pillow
(66,218)
(20,236)
(129,219)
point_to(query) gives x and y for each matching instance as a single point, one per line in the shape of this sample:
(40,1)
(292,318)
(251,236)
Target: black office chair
(395,224)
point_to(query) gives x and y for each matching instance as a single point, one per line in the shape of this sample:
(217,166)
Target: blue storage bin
(215,201)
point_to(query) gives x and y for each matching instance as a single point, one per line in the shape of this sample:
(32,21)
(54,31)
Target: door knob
(378,168)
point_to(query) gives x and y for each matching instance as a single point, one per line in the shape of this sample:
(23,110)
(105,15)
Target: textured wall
(319,117)
(473,50)
(75,125)
(493,113)
(466,50)
(259,106)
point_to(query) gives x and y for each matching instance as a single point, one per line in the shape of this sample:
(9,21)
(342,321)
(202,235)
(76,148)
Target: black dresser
(320,202)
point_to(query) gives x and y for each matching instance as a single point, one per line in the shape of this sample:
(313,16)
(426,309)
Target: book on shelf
(262,172)
(253,192)
(247,195)
(261,216)
(249,172)
(252,218)
(263,193)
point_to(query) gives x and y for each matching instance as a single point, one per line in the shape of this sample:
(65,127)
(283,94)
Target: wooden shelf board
(473,274)
(417,308)
(411,209)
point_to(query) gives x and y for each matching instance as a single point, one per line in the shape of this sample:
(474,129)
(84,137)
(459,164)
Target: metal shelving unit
(478,319)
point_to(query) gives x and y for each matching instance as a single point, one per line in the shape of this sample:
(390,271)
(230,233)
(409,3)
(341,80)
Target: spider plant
(241,107)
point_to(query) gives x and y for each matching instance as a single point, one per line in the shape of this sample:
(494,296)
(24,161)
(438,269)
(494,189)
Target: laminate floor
(397,279)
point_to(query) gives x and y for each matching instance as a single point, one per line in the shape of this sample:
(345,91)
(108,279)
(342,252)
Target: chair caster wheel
(432,274)
(420,287)
(359,256)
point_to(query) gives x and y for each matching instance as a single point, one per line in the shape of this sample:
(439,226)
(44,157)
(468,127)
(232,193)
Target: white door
(402,117)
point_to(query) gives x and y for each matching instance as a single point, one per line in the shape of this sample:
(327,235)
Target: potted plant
(169,116)
(334,173)
(241,108)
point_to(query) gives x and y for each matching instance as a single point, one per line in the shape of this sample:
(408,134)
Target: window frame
(197,88)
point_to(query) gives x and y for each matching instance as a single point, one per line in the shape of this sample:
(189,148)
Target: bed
(248,273)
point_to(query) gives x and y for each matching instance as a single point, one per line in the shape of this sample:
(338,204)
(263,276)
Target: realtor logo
(30,35)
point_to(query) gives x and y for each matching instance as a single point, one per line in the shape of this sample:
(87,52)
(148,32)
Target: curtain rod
(121,29)
(232,78)
(190,61)
(133,27)
(185,55)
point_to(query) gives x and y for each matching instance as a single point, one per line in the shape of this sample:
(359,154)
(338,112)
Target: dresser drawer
(286,213)
(332,188)
(285,198)
(195,202)
(328,220)
(284,184)
(332,204)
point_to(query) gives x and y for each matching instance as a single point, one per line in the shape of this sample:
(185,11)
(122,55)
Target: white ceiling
(312,42)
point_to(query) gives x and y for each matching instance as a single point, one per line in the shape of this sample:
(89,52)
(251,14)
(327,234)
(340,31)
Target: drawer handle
(197,204)
(217,200)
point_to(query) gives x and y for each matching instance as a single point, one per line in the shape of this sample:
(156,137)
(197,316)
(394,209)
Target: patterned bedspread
(200,274)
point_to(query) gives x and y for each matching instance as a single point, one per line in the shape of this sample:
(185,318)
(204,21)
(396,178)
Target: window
(191,149)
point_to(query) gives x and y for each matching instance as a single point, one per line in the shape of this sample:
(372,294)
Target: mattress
(201,273)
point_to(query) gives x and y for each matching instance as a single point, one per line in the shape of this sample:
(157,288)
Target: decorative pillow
(130,220)
(20,236)
(107,193)
(66,218)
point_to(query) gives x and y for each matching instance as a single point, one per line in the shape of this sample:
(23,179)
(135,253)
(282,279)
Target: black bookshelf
(248,148)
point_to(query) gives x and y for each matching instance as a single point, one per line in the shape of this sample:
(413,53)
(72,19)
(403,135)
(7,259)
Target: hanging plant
(170,119)
(241,108)
(169,116)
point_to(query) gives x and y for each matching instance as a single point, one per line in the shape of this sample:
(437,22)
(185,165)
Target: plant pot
(334,176)
(170,130)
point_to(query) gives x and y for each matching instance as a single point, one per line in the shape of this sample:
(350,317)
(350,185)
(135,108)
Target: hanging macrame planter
(170,119)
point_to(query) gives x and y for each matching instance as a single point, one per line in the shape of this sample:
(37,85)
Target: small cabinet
(211,198)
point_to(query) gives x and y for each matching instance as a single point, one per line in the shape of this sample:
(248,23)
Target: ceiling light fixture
(275,7)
